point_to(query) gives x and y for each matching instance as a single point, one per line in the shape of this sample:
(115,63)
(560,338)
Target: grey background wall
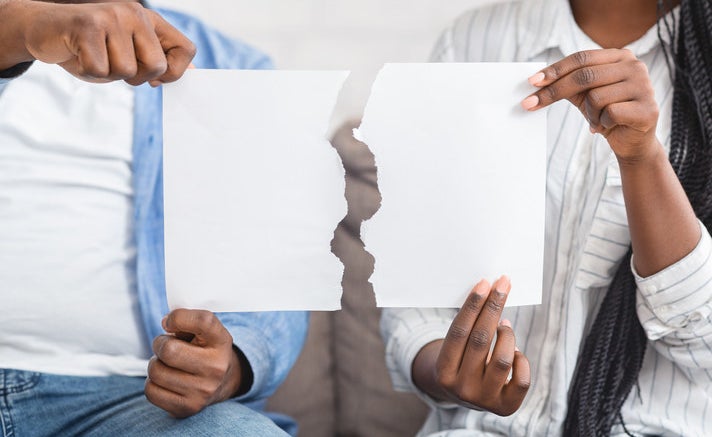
(356,35)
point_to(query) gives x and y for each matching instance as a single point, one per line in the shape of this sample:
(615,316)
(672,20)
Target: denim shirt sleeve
(271,341)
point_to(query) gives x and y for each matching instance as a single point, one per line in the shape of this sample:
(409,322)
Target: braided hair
(613,352)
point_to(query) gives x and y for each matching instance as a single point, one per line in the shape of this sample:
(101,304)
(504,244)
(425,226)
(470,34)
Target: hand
(102,42)
(612,89)
(195,364)
(460,369)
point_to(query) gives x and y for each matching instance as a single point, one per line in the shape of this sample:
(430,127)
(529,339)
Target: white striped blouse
(587,236)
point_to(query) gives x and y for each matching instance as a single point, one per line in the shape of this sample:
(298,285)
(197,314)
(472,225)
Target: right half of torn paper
(462,173)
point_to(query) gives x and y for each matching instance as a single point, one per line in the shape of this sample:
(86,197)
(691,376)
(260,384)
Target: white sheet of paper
(462,173)
(253,191)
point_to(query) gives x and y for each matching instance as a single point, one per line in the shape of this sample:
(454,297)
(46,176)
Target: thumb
(200,327)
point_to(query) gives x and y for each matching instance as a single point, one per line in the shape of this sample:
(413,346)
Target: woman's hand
(463,368)
(612,90)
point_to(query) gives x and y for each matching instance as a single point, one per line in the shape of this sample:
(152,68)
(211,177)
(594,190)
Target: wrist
(14,16)
(652,154)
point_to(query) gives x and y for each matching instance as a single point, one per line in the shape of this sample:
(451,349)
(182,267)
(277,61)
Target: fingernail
(530,102)
(482,288)
(537,78)
(163,322)
(592,129)
(516,349)
(506,323)
(504,284)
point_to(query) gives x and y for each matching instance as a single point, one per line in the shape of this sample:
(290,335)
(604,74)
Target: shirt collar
(547,24)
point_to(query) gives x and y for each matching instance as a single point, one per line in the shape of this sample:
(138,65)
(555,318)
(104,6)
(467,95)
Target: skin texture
(195,363)
(612,90)
(460,368)
(94,41)
(615,23)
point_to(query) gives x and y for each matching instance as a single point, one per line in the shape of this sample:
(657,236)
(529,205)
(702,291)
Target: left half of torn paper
(253,191)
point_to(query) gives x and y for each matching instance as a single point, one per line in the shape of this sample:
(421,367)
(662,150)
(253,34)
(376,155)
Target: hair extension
(613,351)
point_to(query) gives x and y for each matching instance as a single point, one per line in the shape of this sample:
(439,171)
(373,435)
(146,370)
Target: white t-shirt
(68,301)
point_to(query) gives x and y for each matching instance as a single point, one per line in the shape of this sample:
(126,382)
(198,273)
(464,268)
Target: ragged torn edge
(345,211)
(359,136)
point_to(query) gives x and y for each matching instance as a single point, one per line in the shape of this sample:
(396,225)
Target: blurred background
(356,35)
(340,385)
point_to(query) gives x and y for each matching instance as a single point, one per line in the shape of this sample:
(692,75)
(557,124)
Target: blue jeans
(37,404)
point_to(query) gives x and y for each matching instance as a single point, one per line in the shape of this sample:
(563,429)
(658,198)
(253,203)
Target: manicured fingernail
(503,284)
(537,78)
(506,323)
(482,288)
(592,129)
(516,349)
(530,102)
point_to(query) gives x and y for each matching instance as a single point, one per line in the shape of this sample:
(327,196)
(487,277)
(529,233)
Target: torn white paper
(253,191)
(462,173)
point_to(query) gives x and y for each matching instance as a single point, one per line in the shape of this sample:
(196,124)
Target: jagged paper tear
(462,173)
(253,191)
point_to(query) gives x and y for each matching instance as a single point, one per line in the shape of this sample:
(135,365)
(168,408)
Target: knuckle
(473,303)
(124,69)
(205,319)
(584,76)
(156,67)
(151,367)
(550,93)
(217,370)
(654,112)
(207,390)
(523,385)
(158,344)
(187,408)
(170,349)
(613,113)
(191,49)
(95,70)
(502,364)
(457,333)
(479,339)
(505,410)
(464,393)
(445,380)
(595,98)
(495,306)
(640,65)
(580,58)
(89,23)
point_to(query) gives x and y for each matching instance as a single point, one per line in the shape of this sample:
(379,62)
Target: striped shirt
(587,236)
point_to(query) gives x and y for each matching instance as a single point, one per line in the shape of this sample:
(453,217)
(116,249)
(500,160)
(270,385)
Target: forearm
(13,50)
(663,225)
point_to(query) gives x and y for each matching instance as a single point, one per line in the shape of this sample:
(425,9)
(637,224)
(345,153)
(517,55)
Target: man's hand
(195,364)
(97,42)
(461,368)
(612,89)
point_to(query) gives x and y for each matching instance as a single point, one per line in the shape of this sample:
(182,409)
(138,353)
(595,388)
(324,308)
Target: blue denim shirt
(270,341)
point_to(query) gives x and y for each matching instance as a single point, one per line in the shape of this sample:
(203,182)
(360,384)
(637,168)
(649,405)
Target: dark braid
(613,352)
